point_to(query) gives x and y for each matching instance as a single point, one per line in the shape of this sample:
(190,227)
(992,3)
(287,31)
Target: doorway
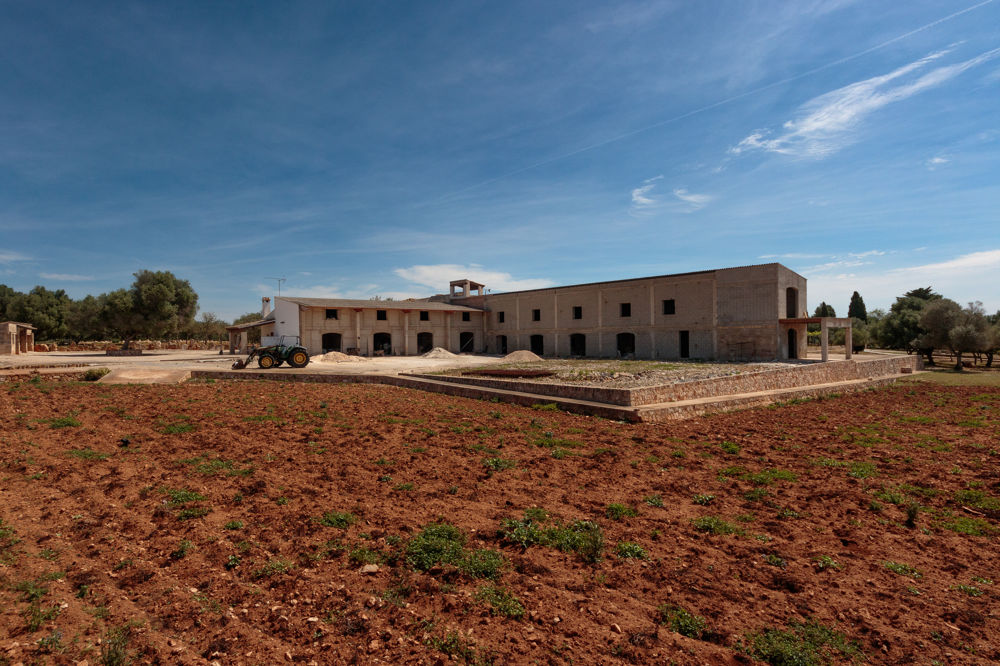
(331,342)
(685,344)
(466,342)
(793,347)
(577,344)
(502,344)
(537,345)
(626,344)
(425,342)
(382,342)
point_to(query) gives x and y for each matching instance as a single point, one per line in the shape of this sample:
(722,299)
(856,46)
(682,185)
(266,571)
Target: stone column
(406,332)
(824,340)
(357,330)
(600,325)
(555,322)
(848,352)
(447,328)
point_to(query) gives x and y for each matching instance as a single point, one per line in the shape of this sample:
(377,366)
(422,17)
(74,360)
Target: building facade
(749,312)
(16,338)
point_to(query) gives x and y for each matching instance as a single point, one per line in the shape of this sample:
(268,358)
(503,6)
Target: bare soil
(190,520)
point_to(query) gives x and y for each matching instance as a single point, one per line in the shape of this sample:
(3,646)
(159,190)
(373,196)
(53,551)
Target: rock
(369,569)
(375,645)
(615,628)
(288,656)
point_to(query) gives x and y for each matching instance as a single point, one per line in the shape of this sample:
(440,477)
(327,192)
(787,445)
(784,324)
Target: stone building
(16,338)
(749,312)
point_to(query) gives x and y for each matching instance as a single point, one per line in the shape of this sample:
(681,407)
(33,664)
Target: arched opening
(793,347)
(331,342)
(502,344)
(466,342)
(382,342)
(425,342)
(626,344)
(577,344)
(538,345)
(791,302)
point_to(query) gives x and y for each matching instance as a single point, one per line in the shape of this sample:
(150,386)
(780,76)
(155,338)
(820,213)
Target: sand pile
(338,357)
(438,352)
(521,356)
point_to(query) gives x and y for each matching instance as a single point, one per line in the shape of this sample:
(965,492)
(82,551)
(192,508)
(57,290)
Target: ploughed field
(266,522)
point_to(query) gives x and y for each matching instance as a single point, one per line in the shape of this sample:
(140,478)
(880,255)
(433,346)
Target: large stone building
(750,312)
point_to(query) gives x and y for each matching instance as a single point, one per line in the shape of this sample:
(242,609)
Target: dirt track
(196,513)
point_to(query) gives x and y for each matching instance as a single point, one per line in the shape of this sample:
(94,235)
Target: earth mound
(521,356)
(438,352)
(338,357)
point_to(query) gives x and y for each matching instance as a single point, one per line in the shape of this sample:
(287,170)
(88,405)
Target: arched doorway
(577,344)
(425,342)
(331,342)
(626,344)
(791,302)
(793,347)
(466,342)
(502,344)
(538,345)
(382,342)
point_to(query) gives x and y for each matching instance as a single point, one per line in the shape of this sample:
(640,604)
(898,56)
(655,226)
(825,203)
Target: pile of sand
(338,357)
(438,352)
(521,356)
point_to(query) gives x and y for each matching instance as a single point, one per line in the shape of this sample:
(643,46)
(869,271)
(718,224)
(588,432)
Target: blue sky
(362,148)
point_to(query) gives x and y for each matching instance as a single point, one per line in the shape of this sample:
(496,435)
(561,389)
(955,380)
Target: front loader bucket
(239,364)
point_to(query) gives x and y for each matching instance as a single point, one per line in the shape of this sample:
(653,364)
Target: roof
(21,324)
(269,319)
(368,304)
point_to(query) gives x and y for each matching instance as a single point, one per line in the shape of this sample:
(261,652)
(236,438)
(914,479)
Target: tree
(857,310)
(253,335)
(43,309)
(83,319)
(900,329)
(209,327)
(947,325)
(157,305)
(824,310)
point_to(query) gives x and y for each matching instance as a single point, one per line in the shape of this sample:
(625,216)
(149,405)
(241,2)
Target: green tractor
(288,350)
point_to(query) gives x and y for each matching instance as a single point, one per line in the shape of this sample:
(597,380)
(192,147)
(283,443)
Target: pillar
(824,341)
(406,332)
(447,330)
(848,352)
(357,330)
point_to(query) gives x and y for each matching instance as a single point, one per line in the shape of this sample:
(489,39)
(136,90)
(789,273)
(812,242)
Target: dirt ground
(264,522)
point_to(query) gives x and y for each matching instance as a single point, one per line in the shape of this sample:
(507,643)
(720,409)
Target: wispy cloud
(67,277)
(436,277)
(645,199)
(935,162)
(827,123)
(974,261)
(7,257)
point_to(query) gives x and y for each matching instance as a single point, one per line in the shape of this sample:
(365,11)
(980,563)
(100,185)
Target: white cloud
(935,162)
(827,123)
(67,277)
(694,201)
(437,276)
(645,200)
(7,257)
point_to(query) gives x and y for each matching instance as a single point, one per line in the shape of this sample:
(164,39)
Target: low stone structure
(16,337)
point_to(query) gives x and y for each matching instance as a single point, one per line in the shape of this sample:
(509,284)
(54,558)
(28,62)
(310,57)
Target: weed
(654,500)
(912,509)
(51,643)
(452,490)
(364,555)
(862,470)
(403,487)
(775,560)
(617,511)
(681,621)
(755,495)
(482,563)
(273,568)
(583,537)
(30,590)
(498,464)
(48,554)
(232,562)
(114,647)
(903,569)
(94,374)
(982,581)
(437,543)
(183,549)
(970,590)
(714,525)
(87,454)
(233,525)
(182,496)
(730,447)
(339,519)
(977,499)
(970,526)
(192,512)
(501,602)
(703,500)
(545,407)
(35,616)
(64,421)
(806,644)
(630,550)
(176,425)
(824,562)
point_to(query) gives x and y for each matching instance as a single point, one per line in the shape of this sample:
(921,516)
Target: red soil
(100,526)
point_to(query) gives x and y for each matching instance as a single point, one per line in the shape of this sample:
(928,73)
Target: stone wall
(145,345)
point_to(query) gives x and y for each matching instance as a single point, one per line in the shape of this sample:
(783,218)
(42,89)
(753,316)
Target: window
(380,315)
(466,316)
(577,312)
(425,315)
(626,309)
(500,317)
(536,315)
(668,306)
(331,313)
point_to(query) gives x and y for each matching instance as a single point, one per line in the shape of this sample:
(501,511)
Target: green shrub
(234,525)
(94,374)
(714,525)
(583,537)
(654,500)
(338,519)
(521,532)
(482,563)
(629,550)
(805,644)
(703,500)
(498,464)
(501,602)
(114,647)
(970,526)
(437,543)
(681,621)
(826,562)
(902,569)
(87,454)
(730,447)
(273,568)
(617,511)
(64,422)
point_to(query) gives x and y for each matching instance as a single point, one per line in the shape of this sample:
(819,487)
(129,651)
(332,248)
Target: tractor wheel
(265,361)
(298,359)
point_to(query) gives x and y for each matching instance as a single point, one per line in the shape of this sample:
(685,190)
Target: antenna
(280,280)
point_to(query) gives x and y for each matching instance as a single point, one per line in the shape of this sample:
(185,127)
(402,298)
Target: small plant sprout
(629,550)
(616,511)
(824,562)
(703,500)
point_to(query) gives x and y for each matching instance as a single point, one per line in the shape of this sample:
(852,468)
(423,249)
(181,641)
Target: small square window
(626,309)
(331,313)
(577,312)
(668,306)
(500,317)
(536,315)
(425,315)
(380,315)
(466,316)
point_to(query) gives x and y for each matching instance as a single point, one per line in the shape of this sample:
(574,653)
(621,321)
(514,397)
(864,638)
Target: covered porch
(797,326)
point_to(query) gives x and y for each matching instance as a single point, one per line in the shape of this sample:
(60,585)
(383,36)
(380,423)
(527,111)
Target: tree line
(922,321)
(157,305)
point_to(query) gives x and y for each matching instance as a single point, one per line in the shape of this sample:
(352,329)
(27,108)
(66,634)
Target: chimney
(265,307)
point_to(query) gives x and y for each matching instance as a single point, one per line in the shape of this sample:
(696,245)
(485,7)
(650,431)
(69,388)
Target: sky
(380,148)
